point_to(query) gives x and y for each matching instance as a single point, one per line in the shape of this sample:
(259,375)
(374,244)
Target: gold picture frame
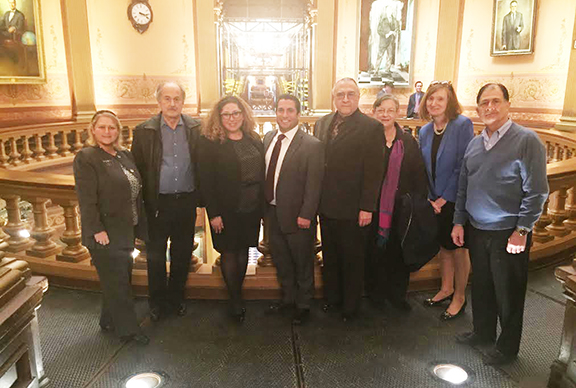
(21,43)
(513,27)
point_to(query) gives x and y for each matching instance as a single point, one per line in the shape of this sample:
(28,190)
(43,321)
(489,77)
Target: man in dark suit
(164,148)
(511,27)
(13,22)
(350,190)
(414,101)
(294,169)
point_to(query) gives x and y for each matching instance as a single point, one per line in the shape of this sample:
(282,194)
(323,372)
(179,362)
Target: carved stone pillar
(51,149)
(540,233)
(17,242)
(568,120)
(571,209)
(64,146)
(42,233)
(3,156)
(26,151)
(74,251)
(14,154)
(558,213)
(264,248)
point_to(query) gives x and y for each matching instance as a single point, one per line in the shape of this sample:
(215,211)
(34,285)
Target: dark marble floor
(205,349)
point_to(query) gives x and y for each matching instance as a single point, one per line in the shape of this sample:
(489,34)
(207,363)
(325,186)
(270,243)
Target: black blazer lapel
(268,139)
(294,145)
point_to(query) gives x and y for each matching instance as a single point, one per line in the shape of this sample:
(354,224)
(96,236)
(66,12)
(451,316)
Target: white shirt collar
(290,134)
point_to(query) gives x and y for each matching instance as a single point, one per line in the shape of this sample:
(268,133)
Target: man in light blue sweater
(502,190)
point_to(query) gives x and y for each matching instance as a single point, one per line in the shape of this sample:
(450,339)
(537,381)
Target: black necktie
(269,188)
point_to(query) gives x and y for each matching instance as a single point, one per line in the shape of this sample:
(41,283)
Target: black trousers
(387,277)
(175,220)
(344,253)
(114,268)
(499,282)
(293,256)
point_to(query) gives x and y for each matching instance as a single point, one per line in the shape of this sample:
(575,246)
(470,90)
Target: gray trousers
(293,256)
(114,268)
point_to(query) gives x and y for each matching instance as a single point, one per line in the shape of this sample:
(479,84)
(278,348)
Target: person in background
(414,101)
(164,148)
(111,211)
(232,181)
(443,142)
(387,89)
(387,276)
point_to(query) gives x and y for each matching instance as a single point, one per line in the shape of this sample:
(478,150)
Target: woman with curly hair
(231,158)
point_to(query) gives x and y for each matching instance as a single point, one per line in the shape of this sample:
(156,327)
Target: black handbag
(417,228)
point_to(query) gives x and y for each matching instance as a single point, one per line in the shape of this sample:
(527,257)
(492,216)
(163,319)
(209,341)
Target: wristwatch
(522,231)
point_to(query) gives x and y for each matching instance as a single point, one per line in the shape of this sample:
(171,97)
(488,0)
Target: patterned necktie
(269,187)
(338,120)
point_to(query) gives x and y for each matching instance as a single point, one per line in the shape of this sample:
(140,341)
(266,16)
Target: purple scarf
(388,192)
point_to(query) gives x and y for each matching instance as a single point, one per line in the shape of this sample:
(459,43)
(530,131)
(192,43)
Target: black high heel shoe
(431,303)
(446,316)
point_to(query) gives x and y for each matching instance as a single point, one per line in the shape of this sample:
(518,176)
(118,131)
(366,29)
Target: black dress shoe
(106,328)
(446,316)
(140,338)
(472,339)
(496,357)
(181,309)
(431,303)
(301,316)
(240,317)
(155,314)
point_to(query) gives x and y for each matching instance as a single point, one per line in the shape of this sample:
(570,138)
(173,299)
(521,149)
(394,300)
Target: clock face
(141,13)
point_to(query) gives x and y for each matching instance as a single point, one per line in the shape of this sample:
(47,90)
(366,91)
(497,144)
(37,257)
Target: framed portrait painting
(513,27)
(21,46)
(386,42)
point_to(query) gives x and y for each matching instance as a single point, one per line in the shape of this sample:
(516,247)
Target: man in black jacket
(352,180)
(164,148)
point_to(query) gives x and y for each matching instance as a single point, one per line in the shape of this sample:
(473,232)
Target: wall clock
(140,15)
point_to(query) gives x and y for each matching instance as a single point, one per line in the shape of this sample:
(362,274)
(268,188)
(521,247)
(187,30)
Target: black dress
(231,181)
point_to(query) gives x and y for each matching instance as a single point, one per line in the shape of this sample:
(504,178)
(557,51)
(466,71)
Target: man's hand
(102,238)
(516,243)
(364,218)
(303,223)
(217,224)
(458,235)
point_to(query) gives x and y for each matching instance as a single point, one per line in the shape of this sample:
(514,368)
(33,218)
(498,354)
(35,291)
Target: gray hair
(345,79)
(161,85)
(386,97)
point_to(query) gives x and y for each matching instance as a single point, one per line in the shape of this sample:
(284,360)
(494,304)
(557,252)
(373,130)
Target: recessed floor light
(451,373)
(145,380)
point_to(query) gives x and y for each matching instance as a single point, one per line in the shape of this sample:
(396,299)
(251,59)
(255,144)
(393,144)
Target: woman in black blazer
(231,159)
(109,193)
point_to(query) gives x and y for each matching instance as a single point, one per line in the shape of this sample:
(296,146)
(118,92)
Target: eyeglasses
(341,95)
(441,83)
(228,116)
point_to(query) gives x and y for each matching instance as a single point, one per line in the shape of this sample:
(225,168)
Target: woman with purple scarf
(387,276)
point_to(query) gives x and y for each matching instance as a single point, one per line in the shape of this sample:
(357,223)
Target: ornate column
(207,15)
(448,42)
(17,241)
(323,55)
(41,232)
(78,58)
(74,251)
(558,213)
(568,119)
(264,248)
(540,234)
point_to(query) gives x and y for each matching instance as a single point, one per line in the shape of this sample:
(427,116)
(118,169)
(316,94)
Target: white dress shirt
(490,141)
(285,144)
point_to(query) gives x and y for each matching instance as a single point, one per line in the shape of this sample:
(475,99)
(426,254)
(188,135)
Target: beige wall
(536,82)
(46,102)
(128,65)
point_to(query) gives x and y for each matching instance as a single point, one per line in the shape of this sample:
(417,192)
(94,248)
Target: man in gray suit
(511,27)
(294,172)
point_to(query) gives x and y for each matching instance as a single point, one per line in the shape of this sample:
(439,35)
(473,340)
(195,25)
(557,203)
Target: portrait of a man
(513,31)
(21,59)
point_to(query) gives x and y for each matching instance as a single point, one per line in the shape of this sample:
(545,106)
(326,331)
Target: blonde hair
(104,113)
(213,128)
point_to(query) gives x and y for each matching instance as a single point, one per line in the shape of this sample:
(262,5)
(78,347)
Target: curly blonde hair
(104,113)
(213,128)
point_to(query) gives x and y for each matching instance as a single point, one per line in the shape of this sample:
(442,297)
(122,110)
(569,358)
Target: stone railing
(54,248)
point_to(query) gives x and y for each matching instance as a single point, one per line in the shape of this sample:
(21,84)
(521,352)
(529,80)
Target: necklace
(439,131)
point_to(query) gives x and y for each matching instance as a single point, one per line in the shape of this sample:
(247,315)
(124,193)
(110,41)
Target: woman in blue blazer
(443,142)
